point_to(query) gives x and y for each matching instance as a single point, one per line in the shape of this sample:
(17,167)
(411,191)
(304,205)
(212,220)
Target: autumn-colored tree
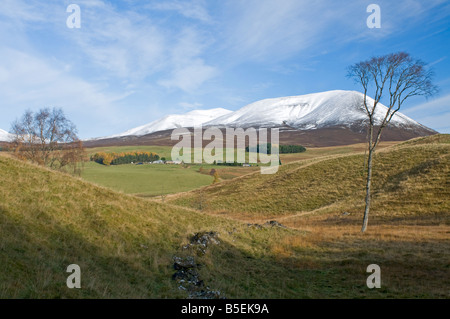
(108,158)
(216,177)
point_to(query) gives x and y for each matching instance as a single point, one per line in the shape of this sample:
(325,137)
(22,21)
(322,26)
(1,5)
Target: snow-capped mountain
(320,119)
(310,111)
(190,119)
(5,136)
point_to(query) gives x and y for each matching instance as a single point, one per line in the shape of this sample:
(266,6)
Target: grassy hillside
(432,139)
(408,179)
(125,244)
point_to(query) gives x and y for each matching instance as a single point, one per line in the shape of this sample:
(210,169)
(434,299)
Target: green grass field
(155,180)
(146,180)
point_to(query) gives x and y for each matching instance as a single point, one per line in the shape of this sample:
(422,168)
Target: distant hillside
(321,137)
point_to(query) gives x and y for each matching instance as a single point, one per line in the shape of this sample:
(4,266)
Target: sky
(132,62)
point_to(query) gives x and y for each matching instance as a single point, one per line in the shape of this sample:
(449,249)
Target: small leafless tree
(48,138)
(396,77)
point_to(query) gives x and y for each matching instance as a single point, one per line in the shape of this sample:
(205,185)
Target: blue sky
(132,62)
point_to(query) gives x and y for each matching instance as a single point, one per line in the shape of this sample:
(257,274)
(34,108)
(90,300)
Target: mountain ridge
(310,111)
(336,108)
(172,121)
(321,119)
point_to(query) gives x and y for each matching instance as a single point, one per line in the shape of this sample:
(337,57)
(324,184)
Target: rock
(204,238)
(200,242)
(183,263)
(274,223)
(186,273)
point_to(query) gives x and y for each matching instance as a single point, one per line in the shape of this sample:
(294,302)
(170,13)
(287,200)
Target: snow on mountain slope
(190,119)
(5,136)
(308,112)
(304,112)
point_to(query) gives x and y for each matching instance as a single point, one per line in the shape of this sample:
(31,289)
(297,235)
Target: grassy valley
(146,180)
(125,244)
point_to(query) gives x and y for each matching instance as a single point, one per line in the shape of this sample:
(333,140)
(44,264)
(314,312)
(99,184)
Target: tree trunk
(369,179)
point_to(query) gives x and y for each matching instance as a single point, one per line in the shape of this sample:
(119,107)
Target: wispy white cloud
(439,122)
(190,70)
(195,9)
(439,104)
(437,61)
(433,113)
(163,53)
(266,30)
(124,44)
(28,82)
(22,12)
(190,77)
(258,28)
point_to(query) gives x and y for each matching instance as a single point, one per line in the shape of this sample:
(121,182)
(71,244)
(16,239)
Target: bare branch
(405,77)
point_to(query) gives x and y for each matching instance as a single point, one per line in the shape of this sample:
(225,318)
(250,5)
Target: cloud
(258,28)
(434,113)
(130,54)
(125,44)
(28,82)
(439,122)
(190,77)
(190,70)
(134,47)
(266,30)
(23,12)
(438,104)
(189,9)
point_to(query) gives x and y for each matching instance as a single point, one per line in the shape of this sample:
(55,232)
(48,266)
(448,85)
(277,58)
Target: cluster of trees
(283,149)
(228,164)
(124,158)
(48,138)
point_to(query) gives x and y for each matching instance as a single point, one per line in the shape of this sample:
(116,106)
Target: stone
(274,223)
(183,263)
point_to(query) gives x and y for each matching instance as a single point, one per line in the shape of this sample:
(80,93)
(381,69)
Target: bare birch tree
(48,138)
(394,77)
